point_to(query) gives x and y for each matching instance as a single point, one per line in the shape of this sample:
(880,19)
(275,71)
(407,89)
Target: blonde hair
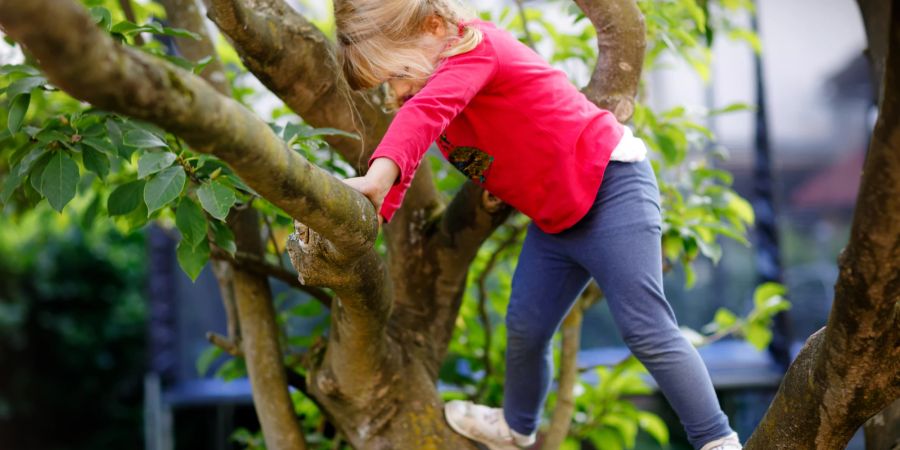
(382,39)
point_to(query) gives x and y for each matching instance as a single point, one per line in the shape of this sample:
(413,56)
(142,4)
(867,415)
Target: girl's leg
(544,287)
(619,244)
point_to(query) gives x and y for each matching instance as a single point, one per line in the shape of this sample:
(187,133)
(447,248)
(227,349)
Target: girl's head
(399,41)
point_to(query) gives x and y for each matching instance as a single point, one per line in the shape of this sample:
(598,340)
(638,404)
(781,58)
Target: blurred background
(102,336)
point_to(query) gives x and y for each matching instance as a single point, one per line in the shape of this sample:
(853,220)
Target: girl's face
(404,88)
(433,44)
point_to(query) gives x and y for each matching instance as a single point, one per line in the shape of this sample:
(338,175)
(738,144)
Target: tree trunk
(850,370)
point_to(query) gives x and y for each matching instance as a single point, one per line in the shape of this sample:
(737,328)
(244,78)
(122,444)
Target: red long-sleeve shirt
(512,124)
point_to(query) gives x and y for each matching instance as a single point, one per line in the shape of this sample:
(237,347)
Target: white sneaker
(485,425)
(730,442)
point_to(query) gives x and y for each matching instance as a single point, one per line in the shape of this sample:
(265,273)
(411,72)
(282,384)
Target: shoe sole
(467,435)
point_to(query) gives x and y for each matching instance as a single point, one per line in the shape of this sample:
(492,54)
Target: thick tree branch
(621,38)
(850,371)
(185,14)
(357,348)
(85,62)
(260,344)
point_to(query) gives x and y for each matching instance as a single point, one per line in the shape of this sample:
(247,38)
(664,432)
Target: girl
(520,129)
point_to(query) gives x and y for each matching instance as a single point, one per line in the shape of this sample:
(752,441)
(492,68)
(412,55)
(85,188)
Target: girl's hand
(377,182)
(371,190)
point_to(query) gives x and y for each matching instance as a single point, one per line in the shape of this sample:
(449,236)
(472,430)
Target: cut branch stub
(317,261)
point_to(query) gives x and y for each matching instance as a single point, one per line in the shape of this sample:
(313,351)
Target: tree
(849,371)
(391,320)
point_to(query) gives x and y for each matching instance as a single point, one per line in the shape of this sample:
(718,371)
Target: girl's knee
(653,343)
(527,333)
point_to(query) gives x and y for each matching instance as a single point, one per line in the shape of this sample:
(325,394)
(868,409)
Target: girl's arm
(425,116)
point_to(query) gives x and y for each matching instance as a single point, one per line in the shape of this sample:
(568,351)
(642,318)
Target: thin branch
(270,231)
(129,14)
(520,4)
(259,266)
(513,237)
(228,345)
(224,273)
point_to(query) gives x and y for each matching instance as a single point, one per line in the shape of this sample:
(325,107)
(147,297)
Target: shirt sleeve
(425,116)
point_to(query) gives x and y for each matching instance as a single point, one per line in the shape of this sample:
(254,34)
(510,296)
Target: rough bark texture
(850,370)
(621,38)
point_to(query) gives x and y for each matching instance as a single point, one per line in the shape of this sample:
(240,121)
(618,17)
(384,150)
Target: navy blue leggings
(618,244)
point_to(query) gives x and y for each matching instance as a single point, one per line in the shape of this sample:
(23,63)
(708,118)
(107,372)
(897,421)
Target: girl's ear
(435,25)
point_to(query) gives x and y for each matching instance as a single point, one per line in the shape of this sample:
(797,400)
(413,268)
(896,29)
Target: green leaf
(37,170)
(180,32)
(191,221)
(757,335)
(7,69)
(163,188)
(152,162)
(90,214)
(744,34)
(134,220)
(95,161)
(223,237)
(606,438)
(24,86)
(192,259)
(100,144)
(672,245)
(741,208)
(12,182)
(17,110)
(328,132)
(209,356)
(59,180)
(101,17)
(654,426)
(734,107)
(216,198)
(202,63)
(126,198)
(711,250)
(143,139)
(127,28)
(724,319)
(766,291)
